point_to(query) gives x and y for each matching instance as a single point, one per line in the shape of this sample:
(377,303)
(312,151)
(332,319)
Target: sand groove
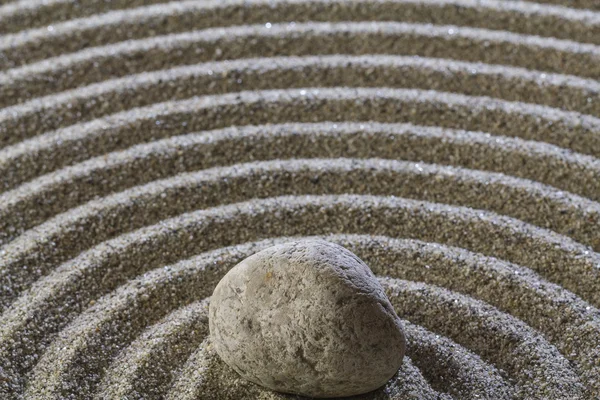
(48,152)
(297,39)
(169,18)
(167,157)
(148,146)
(205,376)
(514,84)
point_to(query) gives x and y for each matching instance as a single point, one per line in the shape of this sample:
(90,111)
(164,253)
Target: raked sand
(147,147)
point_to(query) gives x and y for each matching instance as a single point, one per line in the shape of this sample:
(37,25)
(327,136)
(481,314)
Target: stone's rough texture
(307,317)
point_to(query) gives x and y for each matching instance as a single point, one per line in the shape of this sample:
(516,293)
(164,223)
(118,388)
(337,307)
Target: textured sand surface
(147,146)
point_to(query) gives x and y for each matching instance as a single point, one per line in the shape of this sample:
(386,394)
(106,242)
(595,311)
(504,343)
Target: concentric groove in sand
(454,373)
(205,372)
(537,367)
(513,84)
(21,15)
(18,15)
(59,238)
(103,175)
(459,43)
(510,285)
(84,274)
(397,253)
(104,151)
(54,150)
(144,368)
(77,346)
(582,26)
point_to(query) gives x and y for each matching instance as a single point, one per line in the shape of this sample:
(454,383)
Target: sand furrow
(205,375)
(51,112)
(20,208)
(97,64)
(92,274)
(62,37)
(51,151)
(58,239)
(144,369)
(537,367)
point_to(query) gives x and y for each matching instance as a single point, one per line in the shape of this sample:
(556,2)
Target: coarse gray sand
(147,147)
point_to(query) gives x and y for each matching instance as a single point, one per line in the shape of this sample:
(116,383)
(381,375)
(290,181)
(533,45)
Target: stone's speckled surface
(307,317)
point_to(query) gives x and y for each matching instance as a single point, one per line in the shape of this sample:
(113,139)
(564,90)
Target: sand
(147,147)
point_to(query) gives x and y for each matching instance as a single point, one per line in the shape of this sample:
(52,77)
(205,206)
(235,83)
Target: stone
(309,318)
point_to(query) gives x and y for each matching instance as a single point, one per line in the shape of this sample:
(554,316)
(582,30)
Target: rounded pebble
(309,318)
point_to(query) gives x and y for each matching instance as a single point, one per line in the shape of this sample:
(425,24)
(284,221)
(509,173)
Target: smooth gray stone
(307,317)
